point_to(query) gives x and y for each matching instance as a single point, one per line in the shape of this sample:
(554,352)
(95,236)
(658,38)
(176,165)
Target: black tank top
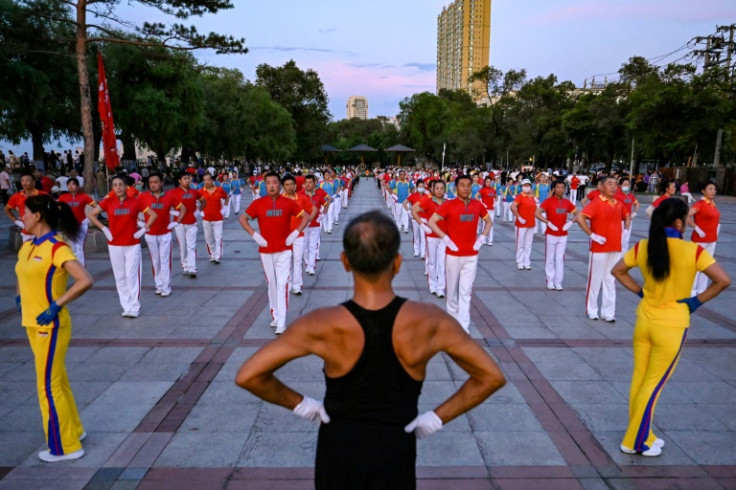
(377,389)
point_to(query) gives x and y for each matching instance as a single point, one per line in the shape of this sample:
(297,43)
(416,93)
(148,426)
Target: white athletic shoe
(658,442)
(165,294)
(125,314)
(652,451)
(551,287)
(274,323)
(592,317)
(280,330)
(51,458)
(84,436)
(297,292)
(527,267)
(520,267)
(440,294)
(426,273)
(559,287)
(134,314)
(159,291)
(310,272)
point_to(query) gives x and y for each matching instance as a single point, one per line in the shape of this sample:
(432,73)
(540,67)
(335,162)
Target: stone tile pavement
(157,398)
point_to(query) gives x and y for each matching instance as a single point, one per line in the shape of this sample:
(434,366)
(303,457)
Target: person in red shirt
(593,194)
(574,184)
(524,208)
(667,189)
(130,189)
(626,196)
(158,237)
(17,201)
(274,212)
(123,242)
(215,198)
(556,209)
(186,233)
(488,197)
(705,220)
(418,236)
(78,202)
(461,217)
(296,281)
(321,202)
(606,216)
(434,264)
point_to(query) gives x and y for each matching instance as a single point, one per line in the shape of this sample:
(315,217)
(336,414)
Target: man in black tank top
(375,348)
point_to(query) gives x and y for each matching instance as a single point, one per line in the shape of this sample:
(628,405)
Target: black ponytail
(58,215)
(658,253)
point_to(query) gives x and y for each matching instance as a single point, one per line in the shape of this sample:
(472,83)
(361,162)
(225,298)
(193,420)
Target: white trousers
(126,267)
(235,200)
(297,264)
(507,214)
(336,207)
(186,235)
(344,198)
(701,280)
(276,266)
(77,245)
(460,274)
(311,246)
(524,239)
(499,206)
(554,259)
(225,209)
(159,247)
(402,217)
(333,212)
(573,195)
(625,236)
(419,239)
(489,238)
(600,280)
(436,265)
(213,237)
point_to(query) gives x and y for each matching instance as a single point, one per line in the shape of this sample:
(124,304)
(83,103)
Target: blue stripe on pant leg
(53,428)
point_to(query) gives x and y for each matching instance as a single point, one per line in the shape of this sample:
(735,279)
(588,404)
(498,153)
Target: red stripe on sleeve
(698,252)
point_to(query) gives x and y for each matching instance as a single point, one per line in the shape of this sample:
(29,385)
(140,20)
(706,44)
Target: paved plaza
(157,398)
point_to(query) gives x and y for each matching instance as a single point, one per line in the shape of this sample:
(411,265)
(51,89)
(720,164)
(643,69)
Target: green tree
(303,95)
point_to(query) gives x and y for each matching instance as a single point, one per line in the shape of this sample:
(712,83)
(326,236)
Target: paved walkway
(157,398)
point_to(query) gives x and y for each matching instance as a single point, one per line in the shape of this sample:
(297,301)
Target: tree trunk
(37,140)
(84,95)
(128,145)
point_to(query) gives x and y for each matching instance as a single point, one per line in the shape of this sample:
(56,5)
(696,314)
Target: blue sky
(386,49)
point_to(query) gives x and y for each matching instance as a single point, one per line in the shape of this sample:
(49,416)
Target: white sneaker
(280,330)
(84,436)
(134,314)
(310,272)
(652,451)
(274,323)
(559,287)
(125,314)
(592,317)
(551,287)
(52,458)
(165,294)
(158,291)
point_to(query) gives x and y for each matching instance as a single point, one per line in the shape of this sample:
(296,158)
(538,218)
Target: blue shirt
(402,190)
(236,186)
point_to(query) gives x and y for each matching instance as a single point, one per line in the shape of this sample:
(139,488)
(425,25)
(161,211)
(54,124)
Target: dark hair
(371,242)
(58,215)
(27,173)
(72,180)
(271,174)
(180,175)
(286,178)
(461,177)
(557,182)
(658,254)
(623,179)
(121,177)
(664,184)
(156,174)
(207,174)
(704,185)
(311,177)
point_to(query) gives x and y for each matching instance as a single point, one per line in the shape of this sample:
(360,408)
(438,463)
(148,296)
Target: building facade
(463,45)
(357,106)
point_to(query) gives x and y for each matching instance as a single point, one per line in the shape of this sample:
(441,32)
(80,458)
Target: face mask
(526,188)
(626,189)
(420,189)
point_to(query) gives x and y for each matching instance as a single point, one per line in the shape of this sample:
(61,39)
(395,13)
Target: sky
(386,49)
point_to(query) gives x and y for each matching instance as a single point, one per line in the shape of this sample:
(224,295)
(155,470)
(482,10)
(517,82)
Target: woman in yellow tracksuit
(668,265)
(43,269)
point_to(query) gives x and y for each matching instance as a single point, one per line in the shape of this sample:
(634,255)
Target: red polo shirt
(526,206)
(318,199)
(213,209)
(627,200)
(18,201)
(77,203)
(462,223)
(488,197)
(189,199)
(162,206)
(659,200)
(122,218)
(593,194)
(429,207)
(605,217)
(707,218)
(557,211)
(274,220)
(305,203)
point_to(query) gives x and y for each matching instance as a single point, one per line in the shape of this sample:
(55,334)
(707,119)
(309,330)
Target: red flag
(109,142)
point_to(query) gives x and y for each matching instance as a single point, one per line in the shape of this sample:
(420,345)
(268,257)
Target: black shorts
(359,455)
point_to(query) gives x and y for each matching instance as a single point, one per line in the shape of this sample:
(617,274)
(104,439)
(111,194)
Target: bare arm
(720,279)
(432,223)
(691,218)
(82,282)
(621,272)
(515,209)
(92,214)
(244,221)
(581,219)
(9,212)
(627,221)
(539,214)
(151,217)
(415,210)
(487,224)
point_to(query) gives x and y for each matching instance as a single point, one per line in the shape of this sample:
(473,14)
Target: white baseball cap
(526,182)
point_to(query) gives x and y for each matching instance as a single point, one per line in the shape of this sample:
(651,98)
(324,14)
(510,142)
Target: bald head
(371,243)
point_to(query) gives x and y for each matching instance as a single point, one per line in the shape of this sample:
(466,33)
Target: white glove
(259,239)
(139,233)
(597,238)
(108,234)
(449,243)
(633,214)
(320,219)
(197,213)
(424,425)
(292,237)
(20,224)
(552,227)
(700,232)
(222,210)
(312,410)
(567,226)
(521,220)
(172,225)
(426,229)
(479,242)
(141,224)
(174,213)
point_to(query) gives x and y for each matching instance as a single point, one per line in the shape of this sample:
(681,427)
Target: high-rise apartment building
(357,106)
(463,45)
